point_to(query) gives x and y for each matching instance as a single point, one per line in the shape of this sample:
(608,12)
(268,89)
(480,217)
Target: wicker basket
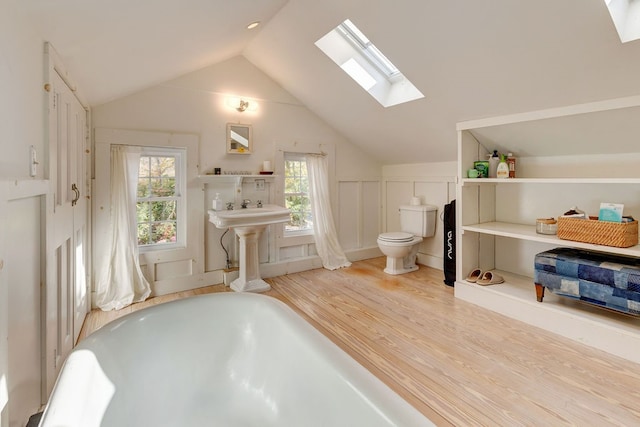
(618,234)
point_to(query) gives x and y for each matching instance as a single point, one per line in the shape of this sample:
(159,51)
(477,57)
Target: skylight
(359,74)
(626,17)
(350,49)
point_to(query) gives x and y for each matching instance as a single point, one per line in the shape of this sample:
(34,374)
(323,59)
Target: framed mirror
(239,138)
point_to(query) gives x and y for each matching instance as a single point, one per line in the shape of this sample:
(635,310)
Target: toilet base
(401,271)
(400,265)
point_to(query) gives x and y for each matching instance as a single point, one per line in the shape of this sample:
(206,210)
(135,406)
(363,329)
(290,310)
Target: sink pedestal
(249,279)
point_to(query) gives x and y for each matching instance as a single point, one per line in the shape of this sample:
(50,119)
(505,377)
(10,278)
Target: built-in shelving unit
(571,156)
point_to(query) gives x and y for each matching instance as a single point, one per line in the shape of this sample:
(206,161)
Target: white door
(66,296)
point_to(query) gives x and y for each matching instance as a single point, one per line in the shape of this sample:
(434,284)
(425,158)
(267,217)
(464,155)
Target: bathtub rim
(378,394)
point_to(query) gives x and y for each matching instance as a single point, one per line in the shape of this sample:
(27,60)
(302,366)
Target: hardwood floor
(456,362)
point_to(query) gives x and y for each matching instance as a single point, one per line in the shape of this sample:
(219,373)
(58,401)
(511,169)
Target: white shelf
(528,232)
(494,181)
(231,178)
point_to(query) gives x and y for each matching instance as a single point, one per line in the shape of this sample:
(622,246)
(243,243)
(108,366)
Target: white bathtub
(232,359)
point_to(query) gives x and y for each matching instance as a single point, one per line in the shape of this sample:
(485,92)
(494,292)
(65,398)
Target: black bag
(449,220)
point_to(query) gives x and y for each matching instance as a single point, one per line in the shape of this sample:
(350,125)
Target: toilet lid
(396,236)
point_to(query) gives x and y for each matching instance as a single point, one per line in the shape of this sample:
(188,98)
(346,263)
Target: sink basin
(267,214)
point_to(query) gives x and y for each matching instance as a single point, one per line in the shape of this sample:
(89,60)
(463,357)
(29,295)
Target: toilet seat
(396,237)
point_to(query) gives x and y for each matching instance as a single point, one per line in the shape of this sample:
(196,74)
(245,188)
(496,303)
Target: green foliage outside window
(157,202)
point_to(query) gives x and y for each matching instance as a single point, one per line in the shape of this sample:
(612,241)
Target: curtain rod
(321,153)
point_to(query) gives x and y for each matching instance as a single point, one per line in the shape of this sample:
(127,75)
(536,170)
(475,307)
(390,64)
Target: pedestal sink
(248,224)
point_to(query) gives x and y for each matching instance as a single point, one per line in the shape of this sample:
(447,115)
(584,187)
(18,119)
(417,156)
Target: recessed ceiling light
(253,25)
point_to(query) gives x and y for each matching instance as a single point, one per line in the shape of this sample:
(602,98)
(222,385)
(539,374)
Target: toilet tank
(419,220)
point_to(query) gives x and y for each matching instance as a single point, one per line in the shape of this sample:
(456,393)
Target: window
(296,195)
(160,206)
(626,17)
(350,49)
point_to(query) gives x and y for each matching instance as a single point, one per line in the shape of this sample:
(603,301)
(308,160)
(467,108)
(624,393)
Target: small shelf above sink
(211,179)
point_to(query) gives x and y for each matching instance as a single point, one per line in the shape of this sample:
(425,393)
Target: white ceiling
(471,59)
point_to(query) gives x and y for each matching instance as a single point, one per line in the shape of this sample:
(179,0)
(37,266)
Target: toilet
(401,247)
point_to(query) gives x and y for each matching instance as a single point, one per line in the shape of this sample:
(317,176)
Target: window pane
(163,232)
(143,187)
(144,237)
(142,212)
(163,211)
(163,166)
(163,187)
(292,185)
(143,170)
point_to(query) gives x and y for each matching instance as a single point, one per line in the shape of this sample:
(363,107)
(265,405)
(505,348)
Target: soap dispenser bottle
(503,168)
(217,203)
(494,159)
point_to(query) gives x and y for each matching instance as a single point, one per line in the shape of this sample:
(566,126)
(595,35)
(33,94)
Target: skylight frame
(353,35)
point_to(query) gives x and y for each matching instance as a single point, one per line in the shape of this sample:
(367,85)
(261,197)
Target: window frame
(180,156)
(301,157)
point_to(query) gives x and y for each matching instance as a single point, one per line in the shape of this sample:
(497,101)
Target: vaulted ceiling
(471,59)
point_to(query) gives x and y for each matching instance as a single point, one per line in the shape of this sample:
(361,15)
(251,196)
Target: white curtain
(324,229)
(120,280)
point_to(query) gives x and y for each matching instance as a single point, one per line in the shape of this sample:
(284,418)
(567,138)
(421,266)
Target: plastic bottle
(217,203)
(511,162)
(494,159)
(503,168)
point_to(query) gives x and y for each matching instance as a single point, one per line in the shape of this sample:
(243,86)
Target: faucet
(245,202)
(229,206)
(259,204)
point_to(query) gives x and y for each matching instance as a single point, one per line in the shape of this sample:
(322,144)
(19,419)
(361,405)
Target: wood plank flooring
(457,363)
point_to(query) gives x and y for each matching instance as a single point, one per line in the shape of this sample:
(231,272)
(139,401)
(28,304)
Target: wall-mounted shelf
(210,179)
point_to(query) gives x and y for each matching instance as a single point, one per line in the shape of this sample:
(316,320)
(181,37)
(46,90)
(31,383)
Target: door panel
(66,296)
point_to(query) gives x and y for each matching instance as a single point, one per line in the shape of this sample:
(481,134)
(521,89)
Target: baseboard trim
(267,270)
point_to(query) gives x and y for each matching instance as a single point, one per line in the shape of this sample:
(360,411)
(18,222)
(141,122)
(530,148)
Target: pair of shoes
(475,274)
(490,278)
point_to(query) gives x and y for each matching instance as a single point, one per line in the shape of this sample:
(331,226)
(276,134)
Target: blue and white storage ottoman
(602,279)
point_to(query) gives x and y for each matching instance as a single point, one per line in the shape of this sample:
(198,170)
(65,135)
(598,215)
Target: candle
(266,166)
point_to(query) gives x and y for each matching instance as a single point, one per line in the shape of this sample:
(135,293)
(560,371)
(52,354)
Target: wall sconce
(241,105)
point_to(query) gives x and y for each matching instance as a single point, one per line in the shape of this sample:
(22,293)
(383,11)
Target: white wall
(434,184)
(196,103)
(21,125)
(21,86)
